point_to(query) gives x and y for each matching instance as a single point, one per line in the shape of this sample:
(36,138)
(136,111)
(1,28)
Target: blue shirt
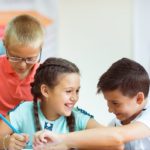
(22,118)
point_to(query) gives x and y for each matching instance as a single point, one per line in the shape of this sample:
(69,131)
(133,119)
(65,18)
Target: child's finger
(18,147)
(20,144)
(37,141)
(19,137)
(26,137)
(43,138)
(39,137)
(47,136)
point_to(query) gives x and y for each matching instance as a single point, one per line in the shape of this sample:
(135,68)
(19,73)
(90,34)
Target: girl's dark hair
(127,76)
(48,74)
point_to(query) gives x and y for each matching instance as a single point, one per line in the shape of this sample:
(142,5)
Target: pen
(8,123)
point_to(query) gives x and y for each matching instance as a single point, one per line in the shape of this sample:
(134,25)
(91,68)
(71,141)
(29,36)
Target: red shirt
(12,89)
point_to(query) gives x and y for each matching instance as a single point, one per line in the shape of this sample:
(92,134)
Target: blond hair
(24,30)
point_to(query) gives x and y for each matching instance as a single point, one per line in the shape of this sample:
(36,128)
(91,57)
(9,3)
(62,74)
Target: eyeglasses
(29,60)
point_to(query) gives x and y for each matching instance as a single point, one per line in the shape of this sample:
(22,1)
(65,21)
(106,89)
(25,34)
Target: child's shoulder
(79,111)
(23,106)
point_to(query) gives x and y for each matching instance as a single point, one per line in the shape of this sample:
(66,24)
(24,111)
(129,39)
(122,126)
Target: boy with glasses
(23,40)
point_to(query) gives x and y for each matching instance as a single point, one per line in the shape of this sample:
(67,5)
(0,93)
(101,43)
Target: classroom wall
(93,34)
(141,37)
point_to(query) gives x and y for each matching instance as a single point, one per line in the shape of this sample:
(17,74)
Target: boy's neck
(127,121)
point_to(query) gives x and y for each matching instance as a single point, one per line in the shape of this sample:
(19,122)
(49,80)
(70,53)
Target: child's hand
(45,140)
(45,136)
(17,141)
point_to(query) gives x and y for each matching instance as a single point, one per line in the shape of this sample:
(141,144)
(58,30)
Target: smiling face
(62,98)
(125,108)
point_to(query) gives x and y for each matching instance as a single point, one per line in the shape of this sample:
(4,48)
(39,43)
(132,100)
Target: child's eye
(115,103)
(77,91)
(69,91)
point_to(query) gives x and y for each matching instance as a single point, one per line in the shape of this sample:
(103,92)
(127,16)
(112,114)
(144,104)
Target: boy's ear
(44,90)
(140,97)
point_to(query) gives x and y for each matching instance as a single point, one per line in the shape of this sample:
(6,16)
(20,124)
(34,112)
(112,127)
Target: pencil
(8,123)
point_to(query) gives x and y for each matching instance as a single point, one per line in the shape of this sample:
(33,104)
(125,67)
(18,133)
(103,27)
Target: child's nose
(22,63)
(110,109)
(74,98)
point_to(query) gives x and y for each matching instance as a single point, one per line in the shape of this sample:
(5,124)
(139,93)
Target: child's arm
(98,137)
(5,129)
(133,131)
(9,140)
(106,136)
(92,123)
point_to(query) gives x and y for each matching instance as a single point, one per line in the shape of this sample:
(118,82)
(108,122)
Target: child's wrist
(69,144)
(63,139)
(5,141)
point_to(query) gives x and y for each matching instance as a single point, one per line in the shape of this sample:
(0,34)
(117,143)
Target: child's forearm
(121,147)
(133,131)
(92,139)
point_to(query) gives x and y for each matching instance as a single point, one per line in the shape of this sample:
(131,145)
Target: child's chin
(67,114)
(119,118)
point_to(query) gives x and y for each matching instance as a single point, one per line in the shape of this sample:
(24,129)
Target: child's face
(63,97)
(125,108)
(20,51)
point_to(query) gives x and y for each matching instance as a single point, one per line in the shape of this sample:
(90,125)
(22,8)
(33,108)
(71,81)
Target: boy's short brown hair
(127,76)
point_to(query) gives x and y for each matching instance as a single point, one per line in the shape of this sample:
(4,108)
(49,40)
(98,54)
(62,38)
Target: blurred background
(91,33)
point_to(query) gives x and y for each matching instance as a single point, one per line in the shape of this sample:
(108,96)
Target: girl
(56,90)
